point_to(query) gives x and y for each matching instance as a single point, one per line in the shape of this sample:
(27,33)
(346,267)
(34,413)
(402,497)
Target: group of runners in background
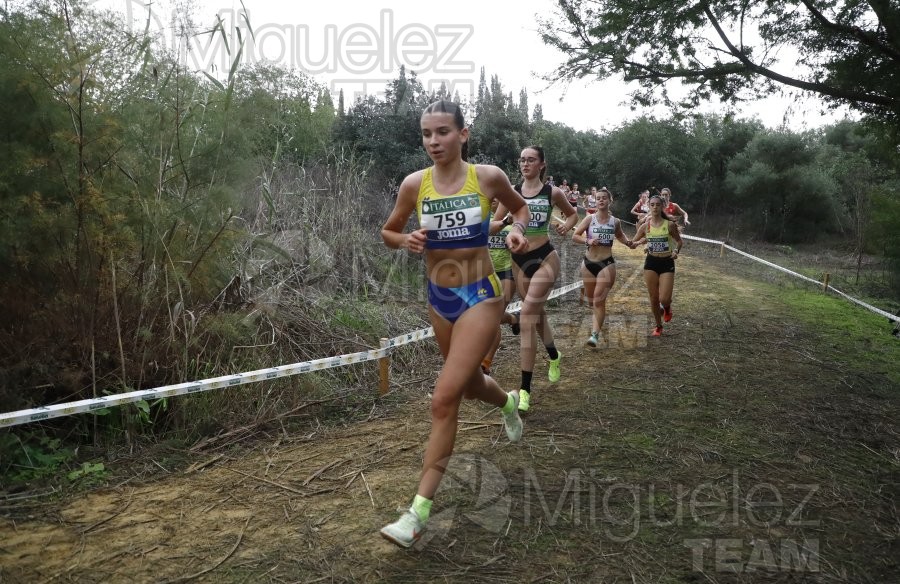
(485,239)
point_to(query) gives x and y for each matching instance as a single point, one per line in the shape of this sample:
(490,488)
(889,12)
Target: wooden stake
(825,283)
(384,371)
(722,250)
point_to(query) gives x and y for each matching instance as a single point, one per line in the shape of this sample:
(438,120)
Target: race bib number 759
(452,218)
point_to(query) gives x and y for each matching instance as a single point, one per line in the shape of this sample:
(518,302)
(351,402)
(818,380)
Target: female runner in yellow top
(452,199)
(663,245)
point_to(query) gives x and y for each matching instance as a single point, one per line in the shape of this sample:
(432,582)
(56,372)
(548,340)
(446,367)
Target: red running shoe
(657,332)
(667,314)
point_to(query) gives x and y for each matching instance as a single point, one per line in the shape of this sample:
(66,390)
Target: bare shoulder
(489,172)
(411,184)
(557,193)
(492,178)
(413,180)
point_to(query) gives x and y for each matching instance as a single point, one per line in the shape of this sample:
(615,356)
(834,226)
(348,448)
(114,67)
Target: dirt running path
(736,448)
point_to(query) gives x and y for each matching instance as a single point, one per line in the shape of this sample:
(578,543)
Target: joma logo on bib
(460,233)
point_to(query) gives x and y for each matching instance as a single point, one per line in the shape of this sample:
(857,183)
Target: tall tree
(119,192)
(570,154)
(853,158)
(780,189)
(499,129)
(720,139)
(848,51)
(649,152)
(386,131)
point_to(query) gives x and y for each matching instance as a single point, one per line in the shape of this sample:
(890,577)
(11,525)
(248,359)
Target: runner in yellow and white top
(663,245)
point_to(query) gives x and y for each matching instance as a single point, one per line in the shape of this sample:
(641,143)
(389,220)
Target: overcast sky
(358,45)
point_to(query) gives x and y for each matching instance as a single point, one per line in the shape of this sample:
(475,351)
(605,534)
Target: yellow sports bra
(659,241)
(454,221)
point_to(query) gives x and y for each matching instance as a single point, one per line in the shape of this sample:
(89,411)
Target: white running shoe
(512,422)
(593,340)
(405,531)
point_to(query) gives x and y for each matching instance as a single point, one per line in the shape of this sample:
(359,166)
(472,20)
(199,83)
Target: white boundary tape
(99,403)
(94,404)
(874,309)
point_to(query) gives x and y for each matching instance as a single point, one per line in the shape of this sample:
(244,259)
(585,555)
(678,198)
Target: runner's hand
(415,241)
(516,242)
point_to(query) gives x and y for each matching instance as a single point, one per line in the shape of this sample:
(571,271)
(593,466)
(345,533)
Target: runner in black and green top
(538,267)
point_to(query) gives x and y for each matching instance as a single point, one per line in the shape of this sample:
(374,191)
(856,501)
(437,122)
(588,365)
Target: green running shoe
(553,372)
(524,401)
(593,340)
(512,422)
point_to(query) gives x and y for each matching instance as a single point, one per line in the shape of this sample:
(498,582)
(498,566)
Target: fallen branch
(268,482)
(478,427)
(330,465)
(632,389)
(220,562)
(113,516)
(368,490)
(201,465)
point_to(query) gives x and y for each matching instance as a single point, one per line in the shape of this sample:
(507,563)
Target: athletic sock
(422,507)
(510,404)
(551,350)
(526,380)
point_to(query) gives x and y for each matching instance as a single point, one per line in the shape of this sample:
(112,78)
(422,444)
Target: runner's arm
(579,235)
(620,235)
(676,235)
(559,199)
(392,231)
(496,185)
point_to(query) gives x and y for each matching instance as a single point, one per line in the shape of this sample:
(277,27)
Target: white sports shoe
(405,531)
(512,422)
